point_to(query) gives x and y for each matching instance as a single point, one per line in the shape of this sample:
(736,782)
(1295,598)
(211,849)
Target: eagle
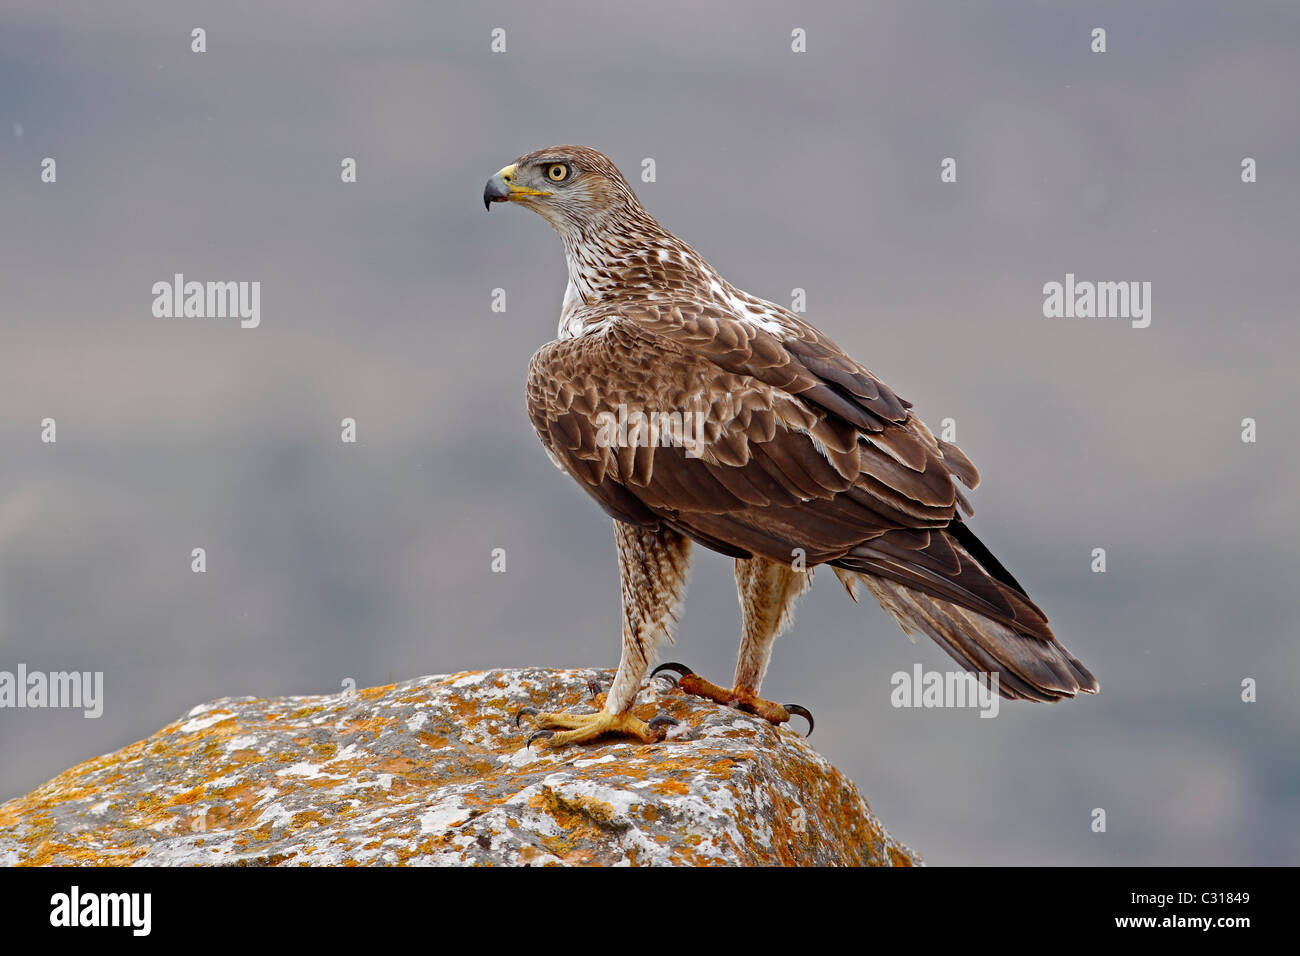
(695,413)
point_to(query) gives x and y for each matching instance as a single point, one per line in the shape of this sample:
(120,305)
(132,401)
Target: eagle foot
(737,697)
(582,728)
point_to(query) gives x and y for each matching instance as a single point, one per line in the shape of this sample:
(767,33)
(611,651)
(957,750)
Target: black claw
(525,710)
(594,687)
(539,735)
(662,721)
(802,712)
(681,669)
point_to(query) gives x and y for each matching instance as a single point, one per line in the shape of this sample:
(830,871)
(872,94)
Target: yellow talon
(746,700)
(581,728)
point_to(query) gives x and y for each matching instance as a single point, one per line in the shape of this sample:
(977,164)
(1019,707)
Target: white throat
(570,322)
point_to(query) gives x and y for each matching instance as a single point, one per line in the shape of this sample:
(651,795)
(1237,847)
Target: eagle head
(571,187)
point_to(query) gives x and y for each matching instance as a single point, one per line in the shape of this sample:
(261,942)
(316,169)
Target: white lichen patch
(302,769)
(449,813)
(202,723)
(596,761)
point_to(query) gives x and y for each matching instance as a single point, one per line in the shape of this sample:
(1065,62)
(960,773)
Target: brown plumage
(777,448)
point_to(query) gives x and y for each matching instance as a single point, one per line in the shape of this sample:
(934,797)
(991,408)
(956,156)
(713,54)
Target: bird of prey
(692,411)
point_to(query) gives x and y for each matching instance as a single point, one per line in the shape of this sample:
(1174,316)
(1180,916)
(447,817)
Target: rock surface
(434,771)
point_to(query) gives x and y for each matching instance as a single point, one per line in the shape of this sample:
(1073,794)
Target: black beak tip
(495,191)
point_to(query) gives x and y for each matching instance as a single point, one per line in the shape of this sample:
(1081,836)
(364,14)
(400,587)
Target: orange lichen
(189,796)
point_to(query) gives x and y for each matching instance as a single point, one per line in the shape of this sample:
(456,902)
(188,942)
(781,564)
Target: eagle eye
(557,172)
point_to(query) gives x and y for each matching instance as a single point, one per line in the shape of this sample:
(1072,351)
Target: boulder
(434,772)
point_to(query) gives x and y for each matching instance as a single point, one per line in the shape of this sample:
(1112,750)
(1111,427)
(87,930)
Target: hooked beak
(501,188)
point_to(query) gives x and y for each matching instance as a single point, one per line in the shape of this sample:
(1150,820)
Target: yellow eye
(557,173)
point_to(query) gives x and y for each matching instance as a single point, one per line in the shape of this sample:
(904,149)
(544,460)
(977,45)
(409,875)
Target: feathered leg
(654,567)
(768,592)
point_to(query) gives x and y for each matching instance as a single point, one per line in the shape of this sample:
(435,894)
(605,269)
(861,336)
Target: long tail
(946,584)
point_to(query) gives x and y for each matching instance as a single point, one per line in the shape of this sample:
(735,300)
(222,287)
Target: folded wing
(764,439)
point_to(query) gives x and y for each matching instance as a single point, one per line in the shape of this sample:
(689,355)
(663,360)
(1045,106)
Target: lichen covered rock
(434,771)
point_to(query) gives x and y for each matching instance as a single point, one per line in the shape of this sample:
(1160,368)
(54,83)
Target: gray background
(818,170)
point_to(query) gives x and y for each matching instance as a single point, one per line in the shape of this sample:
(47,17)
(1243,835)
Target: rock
(433,771)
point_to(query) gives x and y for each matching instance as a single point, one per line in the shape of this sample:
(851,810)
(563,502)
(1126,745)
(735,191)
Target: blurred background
(817,170)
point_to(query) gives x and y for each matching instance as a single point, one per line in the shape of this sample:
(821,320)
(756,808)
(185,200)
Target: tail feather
(1030,666)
